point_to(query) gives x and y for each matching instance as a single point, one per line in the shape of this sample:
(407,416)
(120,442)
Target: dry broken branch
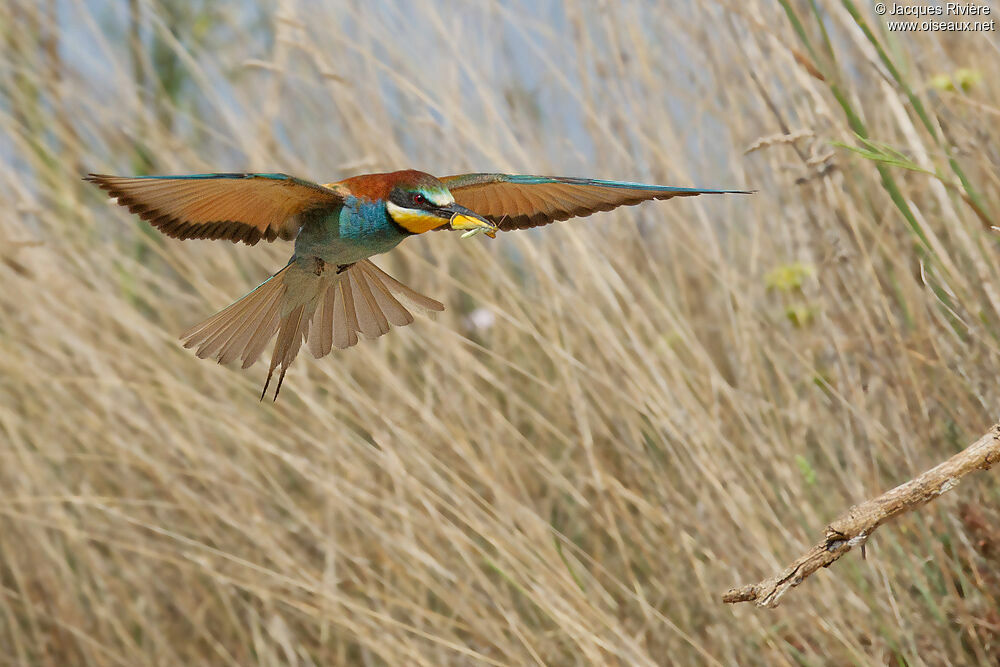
(856,526)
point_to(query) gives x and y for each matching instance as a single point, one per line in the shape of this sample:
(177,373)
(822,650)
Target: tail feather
(321,335)
(231,342)
(209,335)
(260,320)
(373,322)
(394,311)
(264,331)
(345,319)
(326,309)
(412,297)
(293,329)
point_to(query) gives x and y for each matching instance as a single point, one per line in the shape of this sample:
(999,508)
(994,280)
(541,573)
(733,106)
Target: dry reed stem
(857,525)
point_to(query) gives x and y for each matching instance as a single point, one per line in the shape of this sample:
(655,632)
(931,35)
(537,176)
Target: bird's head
(418,203)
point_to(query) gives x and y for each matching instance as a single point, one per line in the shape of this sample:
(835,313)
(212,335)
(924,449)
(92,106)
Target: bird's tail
(320,304)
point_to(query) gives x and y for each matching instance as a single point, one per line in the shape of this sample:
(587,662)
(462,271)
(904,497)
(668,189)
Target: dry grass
(673,399)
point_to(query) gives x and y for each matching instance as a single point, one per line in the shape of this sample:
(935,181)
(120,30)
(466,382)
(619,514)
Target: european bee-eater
(330,290)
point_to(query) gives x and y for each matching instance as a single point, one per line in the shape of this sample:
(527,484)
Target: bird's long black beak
(463,219)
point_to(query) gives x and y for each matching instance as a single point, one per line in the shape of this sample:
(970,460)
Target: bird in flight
(330,291)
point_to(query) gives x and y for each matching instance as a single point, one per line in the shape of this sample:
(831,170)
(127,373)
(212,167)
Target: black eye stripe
(411,199)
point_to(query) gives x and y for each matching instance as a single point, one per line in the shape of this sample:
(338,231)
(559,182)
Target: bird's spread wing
(520,202)
(236,207)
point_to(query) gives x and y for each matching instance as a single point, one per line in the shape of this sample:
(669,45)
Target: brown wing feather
(521,202)
(515,206)
(236,207)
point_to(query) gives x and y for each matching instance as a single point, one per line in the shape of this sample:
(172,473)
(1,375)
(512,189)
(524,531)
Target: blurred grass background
(615,420)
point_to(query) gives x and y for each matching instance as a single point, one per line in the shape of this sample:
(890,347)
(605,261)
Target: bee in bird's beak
(464,219)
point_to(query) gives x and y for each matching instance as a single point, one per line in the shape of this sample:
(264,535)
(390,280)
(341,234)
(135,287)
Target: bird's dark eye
(419,199)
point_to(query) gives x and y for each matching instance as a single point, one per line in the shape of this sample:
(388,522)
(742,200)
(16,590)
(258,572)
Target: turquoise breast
(355,231)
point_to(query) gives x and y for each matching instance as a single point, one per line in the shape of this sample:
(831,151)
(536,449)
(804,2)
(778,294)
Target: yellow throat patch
(412,220)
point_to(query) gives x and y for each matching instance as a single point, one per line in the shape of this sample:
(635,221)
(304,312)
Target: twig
(857,525)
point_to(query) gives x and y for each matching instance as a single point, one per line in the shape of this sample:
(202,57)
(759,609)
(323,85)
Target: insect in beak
(464,219)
